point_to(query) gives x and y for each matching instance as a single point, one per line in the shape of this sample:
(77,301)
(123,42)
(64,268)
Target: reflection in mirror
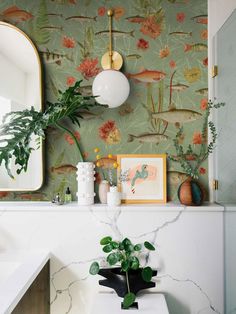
(20,88)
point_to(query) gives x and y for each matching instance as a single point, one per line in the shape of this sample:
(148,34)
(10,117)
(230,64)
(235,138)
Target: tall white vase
(85,178)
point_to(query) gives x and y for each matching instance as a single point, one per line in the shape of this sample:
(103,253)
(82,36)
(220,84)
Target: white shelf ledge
(74,207)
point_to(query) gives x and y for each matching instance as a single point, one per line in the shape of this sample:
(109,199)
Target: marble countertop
(47,206)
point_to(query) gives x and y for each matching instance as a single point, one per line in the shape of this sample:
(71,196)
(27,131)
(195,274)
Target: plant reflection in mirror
(19,127)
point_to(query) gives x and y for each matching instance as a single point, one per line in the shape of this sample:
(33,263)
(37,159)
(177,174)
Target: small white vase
(113,197)
(103,188)
(85,179)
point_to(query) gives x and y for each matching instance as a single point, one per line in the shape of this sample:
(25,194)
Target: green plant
(191,158)
(19,127)
(126,255)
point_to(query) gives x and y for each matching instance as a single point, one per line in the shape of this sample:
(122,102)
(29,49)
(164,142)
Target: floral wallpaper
(164,46)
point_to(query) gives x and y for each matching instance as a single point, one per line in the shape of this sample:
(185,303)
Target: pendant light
(110,86)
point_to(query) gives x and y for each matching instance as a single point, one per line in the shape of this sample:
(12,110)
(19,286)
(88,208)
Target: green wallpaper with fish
(164,45)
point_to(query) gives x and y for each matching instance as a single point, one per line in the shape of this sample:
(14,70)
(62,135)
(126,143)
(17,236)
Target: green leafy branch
(125,254)
(190,160)
(20,127)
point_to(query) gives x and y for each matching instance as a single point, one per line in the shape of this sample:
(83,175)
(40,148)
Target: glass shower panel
(225,91)
(225,153)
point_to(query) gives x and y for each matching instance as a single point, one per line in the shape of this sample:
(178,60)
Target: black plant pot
(116,279)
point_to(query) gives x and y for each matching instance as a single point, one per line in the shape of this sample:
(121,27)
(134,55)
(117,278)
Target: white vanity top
(21,268)
(148,303)
(48,206)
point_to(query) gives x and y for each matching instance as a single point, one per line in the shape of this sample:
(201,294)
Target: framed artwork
(142,178)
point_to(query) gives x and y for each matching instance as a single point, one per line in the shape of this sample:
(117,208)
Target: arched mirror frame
(41,149)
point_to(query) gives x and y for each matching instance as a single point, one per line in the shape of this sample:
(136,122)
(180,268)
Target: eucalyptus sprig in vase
(191,158)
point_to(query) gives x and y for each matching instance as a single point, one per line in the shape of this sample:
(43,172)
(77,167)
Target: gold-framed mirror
(20,88)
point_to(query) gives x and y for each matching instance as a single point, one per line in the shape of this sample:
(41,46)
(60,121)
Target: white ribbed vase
(85,178)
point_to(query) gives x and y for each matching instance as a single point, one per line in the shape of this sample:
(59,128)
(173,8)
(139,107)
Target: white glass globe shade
(111,87)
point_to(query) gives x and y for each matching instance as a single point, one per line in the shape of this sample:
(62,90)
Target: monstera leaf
(20,127)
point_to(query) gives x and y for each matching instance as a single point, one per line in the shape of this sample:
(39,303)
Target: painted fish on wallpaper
(199,47)
(176,177)
(202,91)
(181,34)
(15,14)
(179,87)
(85,90)
(135,19)
(106,162)
(201,19)
(52,28)
(54,14)
(88,115)
(32,196)
(4,194)
(147,76)
(116,33)
(125,109)
(63,169)
(133,56)
(65,1)
(177,115)
(155,138)
(52,57)
(81,18)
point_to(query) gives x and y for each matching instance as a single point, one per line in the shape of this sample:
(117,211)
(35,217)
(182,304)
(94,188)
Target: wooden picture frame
(142,178)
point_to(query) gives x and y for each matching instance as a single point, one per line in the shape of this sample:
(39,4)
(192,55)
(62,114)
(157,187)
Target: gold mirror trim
(41,104)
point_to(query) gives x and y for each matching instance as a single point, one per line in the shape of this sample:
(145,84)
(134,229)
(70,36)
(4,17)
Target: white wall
(189,250)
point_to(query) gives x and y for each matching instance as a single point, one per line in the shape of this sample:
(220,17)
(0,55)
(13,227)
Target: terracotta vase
(103,189)
(190,193)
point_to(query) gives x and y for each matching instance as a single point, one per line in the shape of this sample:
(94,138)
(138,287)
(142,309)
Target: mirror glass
(20,88)
(225,91)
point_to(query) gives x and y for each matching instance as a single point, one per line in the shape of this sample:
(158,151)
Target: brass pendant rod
(110,14)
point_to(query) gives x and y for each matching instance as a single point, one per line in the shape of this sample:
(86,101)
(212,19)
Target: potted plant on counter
(126,276)
(191,158)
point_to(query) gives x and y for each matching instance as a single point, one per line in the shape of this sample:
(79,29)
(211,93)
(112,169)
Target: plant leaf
(107,248)
(149,246)
(105,240)
(147,274)
(112,259)
(138,247)
(128,300)
(134,263)
(94,268)
(125,265)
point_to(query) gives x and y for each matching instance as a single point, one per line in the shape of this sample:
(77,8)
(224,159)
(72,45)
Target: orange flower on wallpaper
(72,1)
(109,132)
(204,34)
(205,62)
(101,11)
(88,68)
(204,104)
(68,42)
(163,53)
(197,138)
(70,81)
(69,138)
(202,170)
(118,12)
(172,64)
(180,17)
(151,27)
(142,44)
